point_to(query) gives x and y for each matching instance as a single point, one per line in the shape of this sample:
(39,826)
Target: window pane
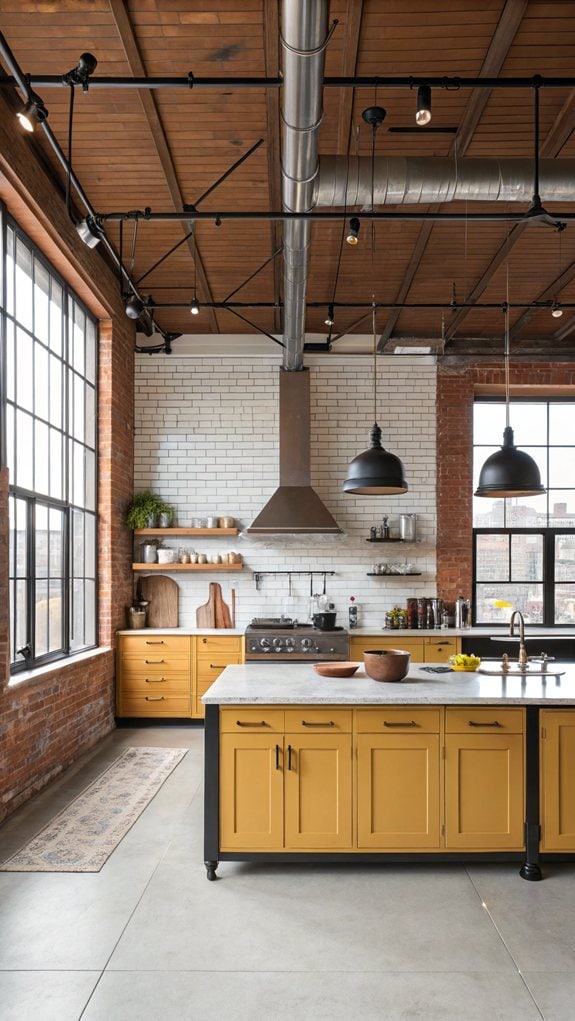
(90,480)
(10,242)
(42,541)
(23,311)
(526,512)
(56,318)
(77,327)
(41,458)
(488,513)
(41,618)
(90,545)
(25,446)
(21,614)
(492,558)
(21,539)
(561,423)
(90,395)
(526,558)
(561,466)
(78,414)
(41,381)
(89,612)
(24,371)
(56,395)
(527,598)
(56,555)
(565,558)
(56,464)
(10,452)
(10,362)
(562,505)
(55,640)
(77,614)
(488,423)
(565,604)
(41,302)
(78,484)
(78,543)
(91,337)
(529,422)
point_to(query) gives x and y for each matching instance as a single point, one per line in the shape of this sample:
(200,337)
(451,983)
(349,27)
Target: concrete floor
(149,938)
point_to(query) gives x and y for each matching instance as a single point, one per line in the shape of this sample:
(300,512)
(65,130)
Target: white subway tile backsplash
(206,438)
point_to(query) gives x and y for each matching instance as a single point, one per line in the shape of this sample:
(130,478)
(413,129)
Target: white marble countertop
(182,631)
(499,631)
(299,684)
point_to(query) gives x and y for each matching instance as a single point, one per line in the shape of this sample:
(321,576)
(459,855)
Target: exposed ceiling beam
(353,16)
(509,22)
(272,57)
(548,294)
(129,42)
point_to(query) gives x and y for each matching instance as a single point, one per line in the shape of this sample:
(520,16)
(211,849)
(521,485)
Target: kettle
(462,612)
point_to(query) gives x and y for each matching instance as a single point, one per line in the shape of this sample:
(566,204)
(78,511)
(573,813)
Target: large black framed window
(524,547)
(49,401)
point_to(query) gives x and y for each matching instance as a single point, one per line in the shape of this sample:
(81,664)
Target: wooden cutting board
(163,595)
(215,613)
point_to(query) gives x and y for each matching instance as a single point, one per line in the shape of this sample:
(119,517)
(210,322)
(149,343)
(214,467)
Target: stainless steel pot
(149,552)
(324,621)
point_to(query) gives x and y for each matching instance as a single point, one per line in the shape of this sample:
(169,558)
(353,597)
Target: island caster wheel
(532,873)
(211,867)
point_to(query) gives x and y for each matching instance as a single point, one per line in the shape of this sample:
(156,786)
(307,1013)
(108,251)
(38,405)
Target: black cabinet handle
(155,680)
(218,666)
(154,698)
(154,662)
(289,756)
(242,723)
(160,642)
(495,723)
(277,756)
(305,723)
(400,723)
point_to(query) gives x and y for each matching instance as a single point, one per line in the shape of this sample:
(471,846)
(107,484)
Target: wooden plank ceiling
(164,148)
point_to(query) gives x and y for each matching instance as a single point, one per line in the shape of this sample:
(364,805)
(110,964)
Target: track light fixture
(195,307)
(134,306)
(32,113)
(330,317)
(353,232)
(423,112)
(80,74)
(90,232)
(556,310)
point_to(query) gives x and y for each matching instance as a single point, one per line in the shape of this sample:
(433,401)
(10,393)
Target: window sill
(30,676)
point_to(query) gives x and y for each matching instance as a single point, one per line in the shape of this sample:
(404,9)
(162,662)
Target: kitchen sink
(515,671)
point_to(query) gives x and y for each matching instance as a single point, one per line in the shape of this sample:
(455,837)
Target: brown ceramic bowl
(336,669)
(386,664)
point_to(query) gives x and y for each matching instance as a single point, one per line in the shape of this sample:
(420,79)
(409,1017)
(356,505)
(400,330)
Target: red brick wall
(455,393)
(46,722)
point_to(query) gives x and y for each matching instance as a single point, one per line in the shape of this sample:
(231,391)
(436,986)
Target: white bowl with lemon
(464,662)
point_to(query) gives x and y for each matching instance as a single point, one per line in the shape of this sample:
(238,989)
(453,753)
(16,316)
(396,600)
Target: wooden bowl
(386,664)
(336,669)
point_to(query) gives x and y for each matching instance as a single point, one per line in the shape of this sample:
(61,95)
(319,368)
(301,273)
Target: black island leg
(530,869)
(211,790)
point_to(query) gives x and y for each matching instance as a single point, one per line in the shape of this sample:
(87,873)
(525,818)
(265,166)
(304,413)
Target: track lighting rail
(267,215)
(189,81)
(446,305)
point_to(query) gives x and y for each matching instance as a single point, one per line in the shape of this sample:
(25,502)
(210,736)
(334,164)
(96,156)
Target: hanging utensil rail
(258,575)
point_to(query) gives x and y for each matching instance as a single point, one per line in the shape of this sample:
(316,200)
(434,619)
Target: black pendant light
(509,471)
(375,472)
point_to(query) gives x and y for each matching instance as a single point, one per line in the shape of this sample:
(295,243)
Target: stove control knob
(265,644)
(278,643)
(332,650)
(306,644)
(254,647)
(290,645)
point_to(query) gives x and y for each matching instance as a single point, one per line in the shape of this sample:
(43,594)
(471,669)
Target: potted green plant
(165,515)
(143,511)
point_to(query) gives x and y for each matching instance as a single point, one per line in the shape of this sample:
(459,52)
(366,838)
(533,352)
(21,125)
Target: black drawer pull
(160,642)
(495,723)
(154,698)
(218,666)
(155,680)
(305,723)
(410,723)
(289,756)
(277,756)
(154,662)
(242,723)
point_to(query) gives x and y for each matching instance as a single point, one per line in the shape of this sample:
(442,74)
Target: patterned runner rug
(82,837)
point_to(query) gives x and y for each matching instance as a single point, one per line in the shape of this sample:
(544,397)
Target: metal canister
(407,527)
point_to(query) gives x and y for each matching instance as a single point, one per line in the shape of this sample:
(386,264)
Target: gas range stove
(282,639)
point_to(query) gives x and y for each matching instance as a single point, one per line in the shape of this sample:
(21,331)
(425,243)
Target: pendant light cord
(373,306)
(507,336)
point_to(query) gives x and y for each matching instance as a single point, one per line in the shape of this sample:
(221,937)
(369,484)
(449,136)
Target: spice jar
(202,558)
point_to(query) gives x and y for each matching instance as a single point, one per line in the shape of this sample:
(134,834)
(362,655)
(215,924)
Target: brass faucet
(523,658)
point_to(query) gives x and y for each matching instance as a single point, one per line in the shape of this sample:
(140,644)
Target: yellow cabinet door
(251,792)
(398,791)
(438,650)
(386,640)
(557,780)
(318,786)
(484,800)
(222,652)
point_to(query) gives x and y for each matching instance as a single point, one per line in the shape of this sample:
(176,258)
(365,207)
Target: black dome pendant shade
(375,472)
(509,472)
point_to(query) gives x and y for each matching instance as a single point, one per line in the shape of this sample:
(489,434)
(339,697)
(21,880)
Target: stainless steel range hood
(294,507)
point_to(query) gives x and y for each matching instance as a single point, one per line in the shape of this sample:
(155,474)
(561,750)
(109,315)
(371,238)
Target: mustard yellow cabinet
(438,650)
(212,654)
(557,751)
(484,778)
(398,779)
(153,675)
(318,779)
(251,771)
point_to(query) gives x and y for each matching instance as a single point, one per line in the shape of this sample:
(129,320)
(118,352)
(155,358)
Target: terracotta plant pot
(386,664)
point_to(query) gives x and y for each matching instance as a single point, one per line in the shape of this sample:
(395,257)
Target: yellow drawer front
(360,645)
(469,720)
(245,721)
(219,643)
(438,650)
(156,684)
(309,721)
(154,705)
(140,645)
(155,666)
(398,720)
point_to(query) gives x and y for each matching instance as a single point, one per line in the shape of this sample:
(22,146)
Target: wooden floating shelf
(167,568)
(392,574)
(186,531)
(388,540)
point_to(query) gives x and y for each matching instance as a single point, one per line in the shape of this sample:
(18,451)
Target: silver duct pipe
(304,32)
(401,180)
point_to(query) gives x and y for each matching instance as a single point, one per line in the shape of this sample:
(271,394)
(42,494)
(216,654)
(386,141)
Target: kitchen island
(450,766)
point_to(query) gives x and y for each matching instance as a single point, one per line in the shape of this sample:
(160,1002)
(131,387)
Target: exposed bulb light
(330,317)
(90,232)
(423,113)
(195,307)
(353,233)
(134,307)
(556,310)
(32,113)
